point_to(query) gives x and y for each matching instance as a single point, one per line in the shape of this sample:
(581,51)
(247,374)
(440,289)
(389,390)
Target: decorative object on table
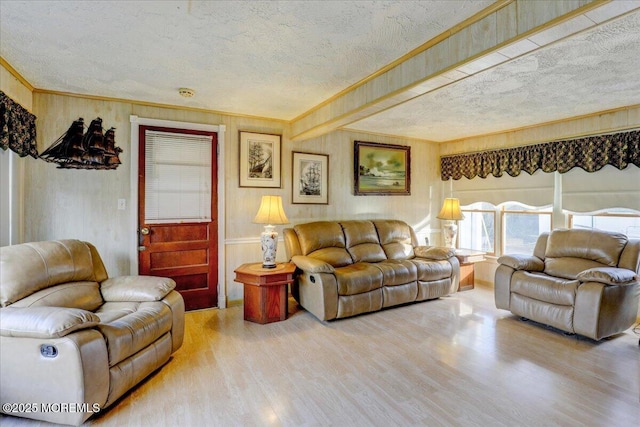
(269,213)
(381,169)
(76,149)
(310,178)
(260,160)
(17,128)
(450,213)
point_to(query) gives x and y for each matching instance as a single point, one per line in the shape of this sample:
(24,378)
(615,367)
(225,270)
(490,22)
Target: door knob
(144,231)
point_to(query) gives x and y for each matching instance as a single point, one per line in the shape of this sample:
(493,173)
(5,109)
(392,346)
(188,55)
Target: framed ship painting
(310,178)
(381,169)
(260,160)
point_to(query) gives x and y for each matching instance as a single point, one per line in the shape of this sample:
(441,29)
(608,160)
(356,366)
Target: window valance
(590,153)
(17,128)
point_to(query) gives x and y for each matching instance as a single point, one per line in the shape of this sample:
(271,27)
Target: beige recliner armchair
(578,281)
(73,340)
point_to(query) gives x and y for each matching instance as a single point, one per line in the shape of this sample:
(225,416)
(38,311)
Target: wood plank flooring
(455,361)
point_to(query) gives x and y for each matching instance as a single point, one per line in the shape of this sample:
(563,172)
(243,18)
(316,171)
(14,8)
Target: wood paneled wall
(83,203)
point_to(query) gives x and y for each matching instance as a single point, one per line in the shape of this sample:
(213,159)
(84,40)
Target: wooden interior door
(182,249)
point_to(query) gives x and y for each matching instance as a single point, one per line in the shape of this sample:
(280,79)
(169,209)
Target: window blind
(532,190)
(608,188)
(177,177)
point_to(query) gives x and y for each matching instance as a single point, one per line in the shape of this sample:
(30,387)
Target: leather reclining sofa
(579,281)
(345,268)
(71,337)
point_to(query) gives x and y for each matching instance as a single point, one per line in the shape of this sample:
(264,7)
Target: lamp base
(269,242)
(450,231)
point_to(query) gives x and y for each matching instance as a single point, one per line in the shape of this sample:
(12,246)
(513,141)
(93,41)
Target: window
(521,227)
(619,220)
(477,229)
(514,230)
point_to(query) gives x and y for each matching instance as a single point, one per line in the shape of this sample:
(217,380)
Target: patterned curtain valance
(591,153)
(17,128)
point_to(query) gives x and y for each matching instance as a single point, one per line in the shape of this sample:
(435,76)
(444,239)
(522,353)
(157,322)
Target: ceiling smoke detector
(186,92)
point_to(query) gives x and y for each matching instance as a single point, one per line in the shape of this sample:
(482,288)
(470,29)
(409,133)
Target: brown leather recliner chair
(73,340)
(578,281)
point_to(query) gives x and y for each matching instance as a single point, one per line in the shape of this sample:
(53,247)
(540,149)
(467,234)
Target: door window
(177,177)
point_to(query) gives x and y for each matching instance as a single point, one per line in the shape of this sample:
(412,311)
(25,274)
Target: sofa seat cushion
(130,327)
(432,270)
(545,288)
(84,294)
(358,278)
(397,272)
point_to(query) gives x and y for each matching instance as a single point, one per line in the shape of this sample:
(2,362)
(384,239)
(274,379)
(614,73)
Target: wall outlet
(122,204)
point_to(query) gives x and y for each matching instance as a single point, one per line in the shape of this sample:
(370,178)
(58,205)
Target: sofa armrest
(136,288)
(312,265)
(608,276)
(522,262)
(44,322)
(437,253)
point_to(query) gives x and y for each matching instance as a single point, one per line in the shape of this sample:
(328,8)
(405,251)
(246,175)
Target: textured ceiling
(266,58)
(279,59)
(595,70)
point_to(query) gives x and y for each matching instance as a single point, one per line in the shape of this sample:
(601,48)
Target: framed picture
(381,169)
(260,160)
(310,178)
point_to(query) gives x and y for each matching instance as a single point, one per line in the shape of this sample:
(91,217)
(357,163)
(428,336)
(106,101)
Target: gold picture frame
(381,169)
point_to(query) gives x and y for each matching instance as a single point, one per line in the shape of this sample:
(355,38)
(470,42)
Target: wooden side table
(265,291)
(468,258)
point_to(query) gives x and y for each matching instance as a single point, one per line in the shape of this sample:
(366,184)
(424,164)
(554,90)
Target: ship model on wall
(76,149)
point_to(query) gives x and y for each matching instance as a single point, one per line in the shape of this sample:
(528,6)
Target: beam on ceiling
(505,30)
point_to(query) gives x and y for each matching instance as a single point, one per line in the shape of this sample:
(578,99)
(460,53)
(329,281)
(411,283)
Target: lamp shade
(271,211)
(451,210)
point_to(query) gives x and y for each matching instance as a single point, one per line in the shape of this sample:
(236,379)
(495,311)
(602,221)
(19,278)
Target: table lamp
(451,213)
(269,213)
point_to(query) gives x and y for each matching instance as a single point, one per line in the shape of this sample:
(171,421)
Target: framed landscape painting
(381,169)
(260,160)
(310,178)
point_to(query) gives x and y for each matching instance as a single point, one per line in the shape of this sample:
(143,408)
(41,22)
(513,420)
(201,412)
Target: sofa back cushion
(30,267)
(85,295)
(569,252)
(323,240)
(397,238)
(361,239)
